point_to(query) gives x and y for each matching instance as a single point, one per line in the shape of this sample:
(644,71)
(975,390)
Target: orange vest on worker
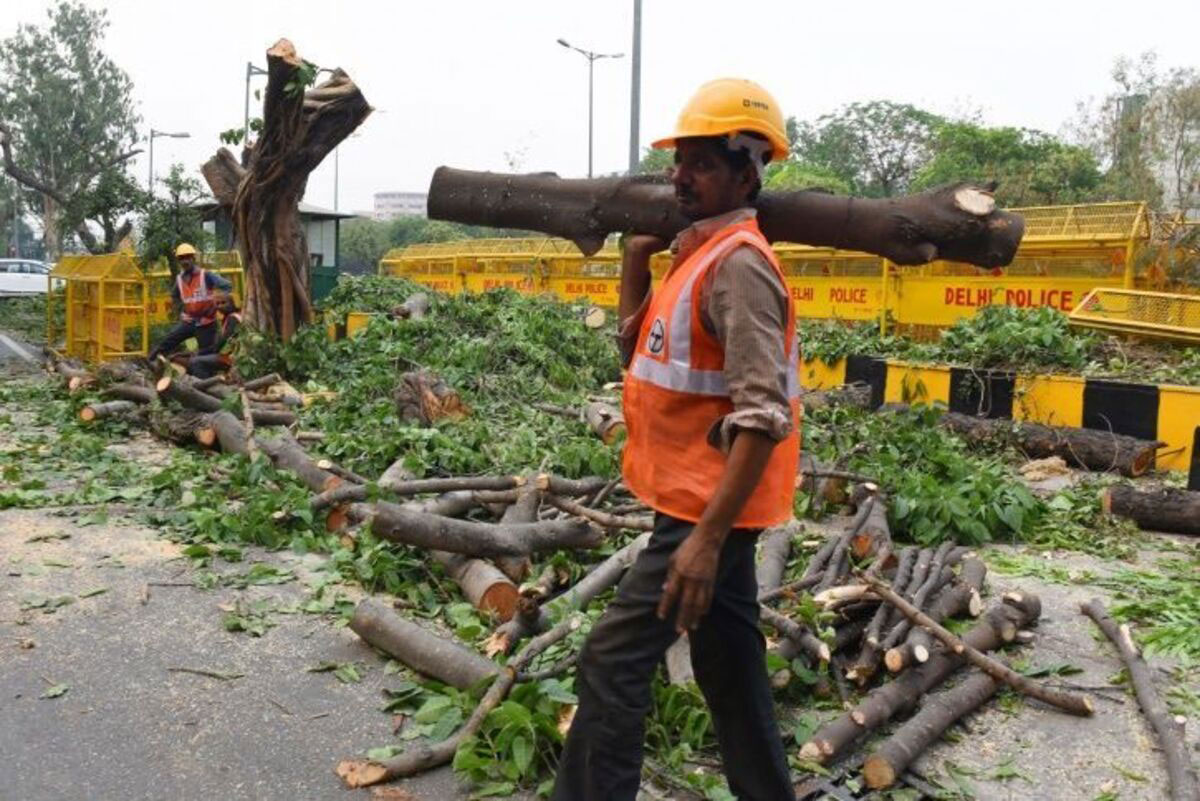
(199,305)
(675,390)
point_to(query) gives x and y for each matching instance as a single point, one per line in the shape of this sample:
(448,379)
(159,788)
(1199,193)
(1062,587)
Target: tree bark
(98,411)
(424,398)
(1184,783)
(775,546)
(903,692)
(957,222)
(874,535)
(262,382)
(937,577)
(300,128)
(231,434)
(349,493)
(1068,702)
(427,652)
(523,510)
(938,713)
(1176,511)
(183,428)
(599,517)
(605,420)
(395,523)
(1081,447)
(481,582)
(800,635)
(869,652)
(131,392)
(419,758)
(287,454)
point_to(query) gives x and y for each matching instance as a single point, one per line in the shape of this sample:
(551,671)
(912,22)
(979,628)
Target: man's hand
(691,574)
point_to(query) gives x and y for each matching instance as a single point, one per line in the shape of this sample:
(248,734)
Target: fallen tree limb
(393,522)
(287,454)
(960,597)
(874,535)
(262,382)
(99,411)
(800,635)
(1081,447)
(183,428)
(350,493)
(1170,731)
(231,434)
(600,518)
(523,510)
(959,222)
(183,392)
(1169,509)
(1068,702)
(934,579)
(425,651)
(419,758)
(938,713)
(481,582)
(774,548)
(832,739)
(873,635)
(132,392)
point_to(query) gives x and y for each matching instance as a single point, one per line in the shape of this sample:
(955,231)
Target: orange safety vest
(199,306)
(675,390)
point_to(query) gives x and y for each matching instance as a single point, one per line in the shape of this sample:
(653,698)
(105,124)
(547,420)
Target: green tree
(1031,167)
(655,161)
(1177,111)
(362,243)
(66,118)
(170,217)
(792,175)
(12,213)
(875,148)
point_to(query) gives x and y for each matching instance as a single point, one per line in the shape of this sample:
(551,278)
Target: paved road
(12,349)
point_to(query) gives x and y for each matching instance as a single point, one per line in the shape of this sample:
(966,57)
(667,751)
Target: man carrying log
(711,403)
(195,290)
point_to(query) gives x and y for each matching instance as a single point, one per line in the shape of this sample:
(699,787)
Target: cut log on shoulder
(774,549)
(1176,511)
(424,398)
(132,392)
(1171,737)
(287,454)
(99,411)
(938,713)
(395,523)
(1081,447)
(1068,702)
(419,758)
(425,651)
(958,222)
(903,692)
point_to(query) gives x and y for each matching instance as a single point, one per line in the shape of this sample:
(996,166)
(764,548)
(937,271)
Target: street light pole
(591,57)
(635,88)
(251,71)
(160,135)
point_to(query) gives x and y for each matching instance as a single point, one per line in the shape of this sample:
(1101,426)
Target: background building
(390,205)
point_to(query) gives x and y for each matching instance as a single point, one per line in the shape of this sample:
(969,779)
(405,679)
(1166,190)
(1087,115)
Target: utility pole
(591,57)
(16,235)
(635,88)
(160,135)
(251,71)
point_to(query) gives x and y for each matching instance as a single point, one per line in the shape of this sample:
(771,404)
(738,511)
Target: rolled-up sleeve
(747,310)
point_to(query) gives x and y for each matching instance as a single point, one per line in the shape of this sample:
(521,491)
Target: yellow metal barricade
(1159,315)
(105,307)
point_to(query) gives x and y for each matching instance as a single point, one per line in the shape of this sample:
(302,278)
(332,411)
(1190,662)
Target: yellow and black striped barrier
(1165,412)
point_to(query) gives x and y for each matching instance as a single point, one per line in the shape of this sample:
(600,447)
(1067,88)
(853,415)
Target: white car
(23,277)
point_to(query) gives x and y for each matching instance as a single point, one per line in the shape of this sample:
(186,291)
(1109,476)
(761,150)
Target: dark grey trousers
(602,758)
(184,330)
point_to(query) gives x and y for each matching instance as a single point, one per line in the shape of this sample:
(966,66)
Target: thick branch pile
(300,128)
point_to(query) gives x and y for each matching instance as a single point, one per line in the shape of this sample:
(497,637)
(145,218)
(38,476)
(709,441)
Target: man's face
(705,184)
(187,263)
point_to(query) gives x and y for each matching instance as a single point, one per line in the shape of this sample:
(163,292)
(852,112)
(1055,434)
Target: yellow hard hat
(725,107)
(185,250)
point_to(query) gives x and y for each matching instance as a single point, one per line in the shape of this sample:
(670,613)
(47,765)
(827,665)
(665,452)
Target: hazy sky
(475,84)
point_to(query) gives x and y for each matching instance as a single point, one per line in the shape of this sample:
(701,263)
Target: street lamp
(251,71)
(591,57)
(160,135)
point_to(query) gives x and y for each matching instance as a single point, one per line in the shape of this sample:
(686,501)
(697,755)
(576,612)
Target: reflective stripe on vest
(198,304)
(677,373)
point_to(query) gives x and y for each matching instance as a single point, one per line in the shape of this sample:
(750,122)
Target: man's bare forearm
(635,280)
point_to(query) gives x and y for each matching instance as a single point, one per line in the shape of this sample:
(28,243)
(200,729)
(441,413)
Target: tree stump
(424,398)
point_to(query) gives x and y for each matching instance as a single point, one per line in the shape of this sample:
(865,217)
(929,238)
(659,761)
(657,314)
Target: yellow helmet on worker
(727,107)
(185,249)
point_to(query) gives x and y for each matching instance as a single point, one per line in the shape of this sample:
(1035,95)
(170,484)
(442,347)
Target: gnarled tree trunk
(300,128)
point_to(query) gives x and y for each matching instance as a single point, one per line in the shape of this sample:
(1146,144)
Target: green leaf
(93,592)
(522,754)
(384,752)
(55,691)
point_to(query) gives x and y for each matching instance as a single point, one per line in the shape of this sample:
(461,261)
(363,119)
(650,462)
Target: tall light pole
(591,57)
(251,71)
(16,235)
(160,135)
(635,88)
